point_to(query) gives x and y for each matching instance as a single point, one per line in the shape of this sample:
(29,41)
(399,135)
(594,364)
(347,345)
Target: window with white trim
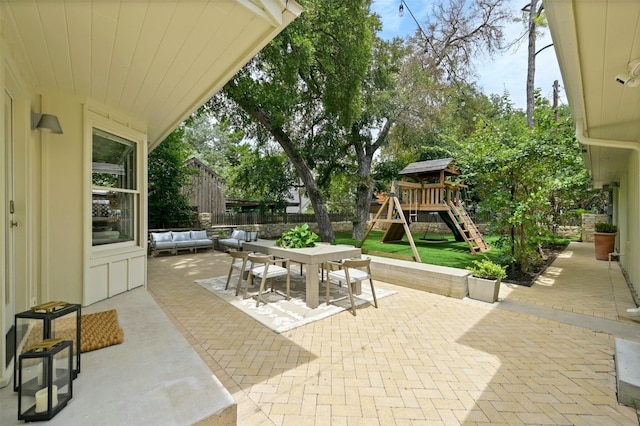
(114,188)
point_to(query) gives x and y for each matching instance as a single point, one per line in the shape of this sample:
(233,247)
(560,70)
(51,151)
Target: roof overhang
(154,60)
(594,42)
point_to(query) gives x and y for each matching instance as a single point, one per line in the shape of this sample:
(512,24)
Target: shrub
(606,227)
(298,237)
(487,269)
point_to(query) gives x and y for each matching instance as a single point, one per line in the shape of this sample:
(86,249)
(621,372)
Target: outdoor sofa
(237,239)
(173,241)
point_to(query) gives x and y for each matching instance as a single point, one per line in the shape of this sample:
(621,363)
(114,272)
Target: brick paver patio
(420,358)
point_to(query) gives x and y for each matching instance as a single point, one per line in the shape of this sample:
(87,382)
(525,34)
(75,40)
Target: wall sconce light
(45,123)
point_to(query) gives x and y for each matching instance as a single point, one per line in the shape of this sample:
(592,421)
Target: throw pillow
(182,236)
(199,235)
(238,235)
(160,237)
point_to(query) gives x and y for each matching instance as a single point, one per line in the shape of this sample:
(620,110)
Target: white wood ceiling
(594,42)
(156,60)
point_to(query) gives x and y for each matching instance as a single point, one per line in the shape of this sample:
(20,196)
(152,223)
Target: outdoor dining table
(312,257)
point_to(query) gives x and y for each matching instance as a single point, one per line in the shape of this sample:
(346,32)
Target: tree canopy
(327,89)
(331,105)
(518,176)
(304,91)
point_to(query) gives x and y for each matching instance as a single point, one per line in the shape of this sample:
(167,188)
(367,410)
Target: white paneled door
(9,290)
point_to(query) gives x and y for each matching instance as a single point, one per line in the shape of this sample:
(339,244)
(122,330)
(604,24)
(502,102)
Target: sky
(504,71)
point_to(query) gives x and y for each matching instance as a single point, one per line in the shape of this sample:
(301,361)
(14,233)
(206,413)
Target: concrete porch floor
(153,377)
(542,355)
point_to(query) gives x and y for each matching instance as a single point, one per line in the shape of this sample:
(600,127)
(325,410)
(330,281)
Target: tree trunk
(363,199)
(364,189)
(531,63)
(319,208)
(303,169)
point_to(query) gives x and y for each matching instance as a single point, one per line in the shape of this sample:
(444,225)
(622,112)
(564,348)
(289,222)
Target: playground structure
(426,187)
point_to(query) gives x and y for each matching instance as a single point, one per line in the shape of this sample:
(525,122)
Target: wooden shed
(207,189)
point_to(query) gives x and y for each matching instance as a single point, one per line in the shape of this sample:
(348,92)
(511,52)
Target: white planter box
(482,289)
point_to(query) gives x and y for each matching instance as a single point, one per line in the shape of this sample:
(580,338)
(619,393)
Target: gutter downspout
(609,143)
(586,140)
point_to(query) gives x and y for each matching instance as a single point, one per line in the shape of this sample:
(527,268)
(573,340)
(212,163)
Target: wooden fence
(239,219)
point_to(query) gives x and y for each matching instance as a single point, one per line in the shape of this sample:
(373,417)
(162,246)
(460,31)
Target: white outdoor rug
(282,315)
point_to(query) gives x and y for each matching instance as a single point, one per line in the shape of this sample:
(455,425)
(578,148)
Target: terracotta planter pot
(604,244)
(483,289)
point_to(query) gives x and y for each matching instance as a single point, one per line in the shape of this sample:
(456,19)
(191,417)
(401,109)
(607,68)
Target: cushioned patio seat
(162,241)
(201,240)
(183,240)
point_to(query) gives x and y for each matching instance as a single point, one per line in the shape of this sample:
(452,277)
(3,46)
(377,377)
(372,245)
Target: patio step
(627,356)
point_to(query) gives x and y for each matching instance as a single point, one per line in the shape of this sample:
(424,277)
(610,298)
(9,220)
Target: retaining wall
(451,282)
(272,231)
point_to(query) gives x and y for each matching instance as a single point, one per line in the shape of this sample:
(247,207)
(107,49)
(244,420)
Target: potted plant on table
(484,281)
(298,237)
(604,239)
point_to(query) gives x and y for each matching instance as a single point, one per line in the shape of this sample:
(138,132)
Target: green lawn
(437,249)
(433,251)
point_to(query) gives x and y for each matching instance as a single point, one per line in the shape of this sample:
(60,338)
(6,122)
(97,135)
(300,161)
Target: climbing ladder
(467,228)
(412,202)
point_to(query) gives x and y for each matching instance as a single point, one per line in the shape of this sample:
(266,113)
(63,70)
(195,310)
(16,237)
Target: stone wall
(589,224)
(275,230)
(204,219)
(430,227)
(568,231)
(272,231)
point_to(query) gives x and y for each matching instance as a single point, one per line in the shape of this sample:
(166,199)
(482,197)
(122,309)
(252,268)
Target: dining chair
(350,271)
(239,262)
(266,267)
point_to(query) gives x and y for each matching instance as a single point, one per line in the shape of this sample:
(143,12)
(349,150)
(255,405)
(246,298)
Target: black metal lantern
(52,320)
(45,379)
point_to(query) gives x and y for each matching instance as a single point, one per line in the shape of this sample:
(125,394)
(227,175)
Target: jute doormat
(97,331)
(100,330)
